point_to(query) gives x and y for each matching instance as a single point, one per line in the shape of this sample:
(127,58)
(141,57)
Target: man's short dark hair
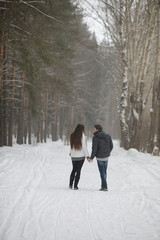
(98,127)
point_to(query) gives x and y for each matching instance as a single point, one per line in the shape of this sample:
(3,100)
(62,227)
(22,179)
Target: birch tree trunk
(131,26)
(124,96)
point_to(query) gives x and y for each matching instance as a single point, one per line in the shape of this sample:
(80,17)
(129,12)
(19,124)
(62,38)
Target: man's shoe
(75,188)
(70,186)
(103,189)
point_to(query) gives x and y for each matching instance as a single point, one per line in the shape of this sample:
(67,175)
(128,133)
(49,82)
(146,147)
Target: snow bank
(132,152)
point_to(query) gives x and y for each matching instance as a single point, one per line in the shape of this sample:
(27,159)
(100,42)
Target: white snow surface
(36,203)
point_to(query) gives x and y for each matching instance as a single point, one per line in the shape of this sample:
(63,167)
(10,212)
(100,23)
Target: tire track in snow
(11,215)
(26,195)
(9,166)
(60,209)
(39,227)
(87,214)
(120,214)
(117,199)
(32,191)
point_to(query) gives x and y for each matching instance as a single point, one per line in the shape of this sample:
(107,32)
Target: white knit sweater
(83,152)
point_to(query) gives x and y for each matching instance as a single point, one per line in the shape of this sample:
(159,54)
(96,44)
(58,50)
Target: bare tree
(132,28)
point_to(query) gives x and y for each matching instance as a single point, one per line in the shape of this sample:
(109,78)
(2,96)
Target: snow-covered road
(36,204)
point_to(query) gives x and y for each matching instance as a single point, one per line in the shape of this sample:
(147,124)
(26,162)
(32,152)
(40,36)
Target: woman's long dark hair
(76,137)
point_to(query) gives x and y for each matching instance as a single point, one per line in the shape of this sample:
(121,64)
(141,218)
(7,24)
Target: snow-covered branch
(38,10)
(12,25)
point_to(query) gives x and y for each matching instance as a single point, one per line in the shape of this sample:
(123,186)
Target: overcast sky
(92,19)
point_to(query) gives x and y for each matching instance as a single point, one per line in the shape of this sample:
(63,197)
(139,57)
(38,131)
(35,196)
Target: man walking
(102,146)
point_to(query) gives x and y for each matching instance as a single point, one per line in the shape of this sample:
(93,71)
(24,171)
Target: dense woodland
(54,74)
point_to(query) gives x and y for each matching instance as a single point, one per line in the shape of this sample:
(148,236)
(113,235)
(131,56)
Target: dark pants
(102,166)
(76,172)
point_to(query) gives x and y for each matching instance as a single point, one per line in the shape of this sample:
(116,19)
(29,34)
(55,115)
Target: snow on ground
(36,204)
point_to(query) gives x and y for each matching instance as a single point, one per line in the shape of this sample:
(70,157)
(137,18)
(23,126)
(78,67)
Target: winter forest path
(36,204)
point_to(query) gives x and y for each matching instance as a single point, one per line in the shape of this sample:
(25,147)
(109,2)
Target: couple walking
(101,147)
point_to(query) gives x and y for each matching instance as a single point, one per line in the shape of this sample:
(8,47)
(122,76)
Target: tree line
(133,30)
(53,74)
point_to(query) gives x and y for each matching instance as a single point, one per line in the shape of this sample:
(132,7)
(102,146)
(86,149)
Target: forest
(54,74)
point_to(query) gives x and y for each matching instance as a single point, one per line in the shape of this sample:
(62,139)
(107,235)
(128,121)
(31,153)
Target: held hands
(90,160)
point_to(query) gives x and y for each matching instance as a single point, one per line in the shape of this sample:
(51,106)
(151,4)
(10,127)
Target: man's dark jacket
(102,145)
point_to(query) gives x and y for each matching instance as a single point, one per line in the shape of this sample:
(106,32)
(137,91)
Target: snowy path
(36,204)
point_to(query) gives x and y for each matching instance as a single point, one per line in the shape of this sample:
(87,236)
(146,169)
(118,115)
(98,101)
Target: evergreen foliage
(51,71)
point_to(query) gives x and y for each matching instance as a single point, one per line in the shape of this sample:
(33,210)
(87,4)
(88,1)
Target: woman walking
(78,152)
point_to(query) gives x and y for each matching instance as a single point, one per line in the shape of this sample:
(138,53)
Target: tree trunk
(45,115)
(5,90)
(3,56)
(54,119)
(124,96)
(41,131)
(1,97)
(158,110)
(38,131)
(154,133)
(20,116)
(29,129)
(10,122)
